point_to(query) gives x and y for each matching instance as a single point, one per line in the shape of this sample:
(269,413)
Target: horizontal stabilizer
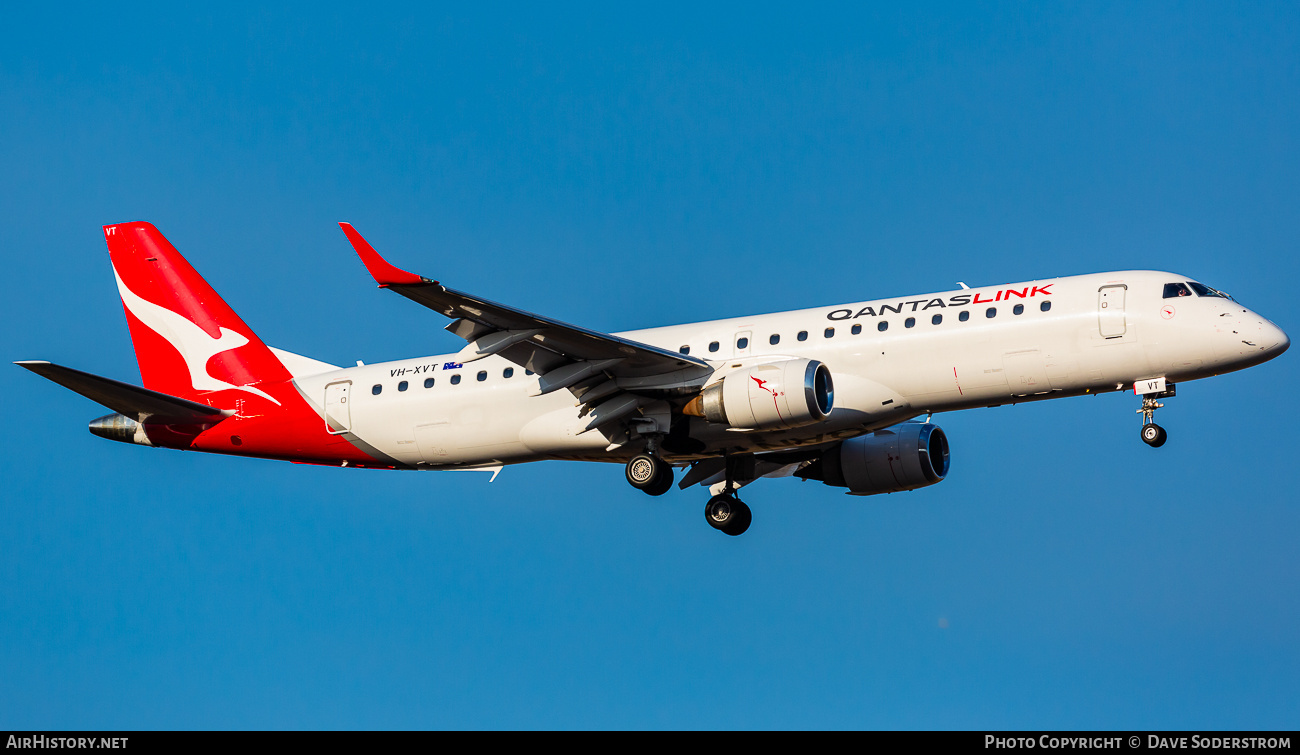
(141,404)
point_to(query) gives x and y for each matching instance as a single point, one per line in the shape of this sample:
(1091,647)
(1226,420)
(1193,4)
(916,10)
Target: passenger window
(1045,306)
(803,335)
(455,379)
(528,372)
(428,382)
(775,339)
(482,375)
(882,326)
(508,372)
(402,386)
(991,312)
(685,350)
(1174,290)
(378,389)
(964,316)
(909,322)
(830,333)
(742,343)
(713,346)
(856,329)
(936,319)
(1019,309)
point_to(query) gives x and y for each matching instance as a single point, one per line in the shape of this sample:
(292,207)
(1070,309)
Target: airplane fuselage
(891,360)
(823,393)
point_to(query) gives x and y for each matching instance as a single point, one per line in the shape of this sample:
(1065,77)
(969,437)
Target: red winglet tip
(384,273)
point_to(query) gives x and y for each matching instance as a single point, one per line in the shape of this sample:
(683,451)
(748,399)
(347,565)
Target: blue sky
(622,168)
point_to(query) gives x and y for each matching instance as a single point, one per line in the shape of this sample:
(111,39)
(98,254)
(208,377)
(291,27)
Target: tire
(663,483)
(741,522)
(719,511)
(643,471)
(727,514)
(1154,435)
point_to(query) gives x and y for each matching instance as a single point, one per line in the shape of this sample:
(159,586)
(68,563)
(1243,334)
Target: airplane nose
(1279,340)
(1248,339)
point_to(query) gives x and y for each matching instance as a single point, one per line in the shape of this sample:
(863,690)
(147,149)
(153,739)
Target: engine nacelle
(789,393)
(903,457)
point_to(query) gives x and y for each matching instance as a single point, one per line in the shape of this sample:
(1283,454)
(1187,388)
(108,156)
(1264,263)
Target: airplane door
(742,344)
(1110,310)
(1026,373)
(436,441)
(338,415)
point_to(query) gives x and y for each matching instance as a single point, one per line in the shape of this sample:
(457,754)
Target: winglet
(384,273)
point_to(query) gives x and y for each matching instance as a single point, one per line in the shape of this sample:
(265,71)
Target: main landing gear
(1152,434)
(649,473)
(728,514)
(724,512)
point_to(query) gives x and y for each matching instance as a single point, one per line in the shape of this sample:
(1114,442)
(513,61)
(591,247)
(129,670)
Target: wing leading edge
(595,366)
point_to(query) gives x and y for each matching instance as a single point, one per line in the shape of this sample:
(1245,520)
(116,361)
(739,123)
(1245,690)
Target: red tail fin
(187,340)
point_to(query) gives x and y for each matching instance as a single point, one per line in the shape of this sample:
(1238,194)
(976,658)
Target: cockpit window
(1173,290)
(1203,290)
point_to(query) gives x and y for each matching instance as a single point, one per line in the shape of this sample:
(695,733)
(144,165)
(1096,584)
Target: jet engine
(789,393)
(903,457)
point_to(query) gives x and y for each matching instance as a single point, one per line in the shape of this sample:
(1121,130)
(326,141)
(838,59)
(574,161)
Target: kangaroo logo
(195,346)
(762,384)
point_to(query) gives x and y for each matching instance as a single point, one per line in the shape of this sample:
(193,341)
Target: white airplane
(824,394)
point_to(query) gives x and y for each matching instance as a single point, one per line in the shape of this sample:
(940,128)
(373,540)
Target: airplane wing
(140,404)
(595,365)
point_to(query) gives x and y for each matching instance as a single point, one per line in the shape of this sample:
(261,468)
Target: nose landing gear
(1152,434)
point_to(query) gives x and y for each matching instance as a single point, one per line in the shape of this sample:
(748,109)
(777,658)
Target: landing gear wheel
(1154,435)
(649,473)
(641,471)
(727,514)
(663,483)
